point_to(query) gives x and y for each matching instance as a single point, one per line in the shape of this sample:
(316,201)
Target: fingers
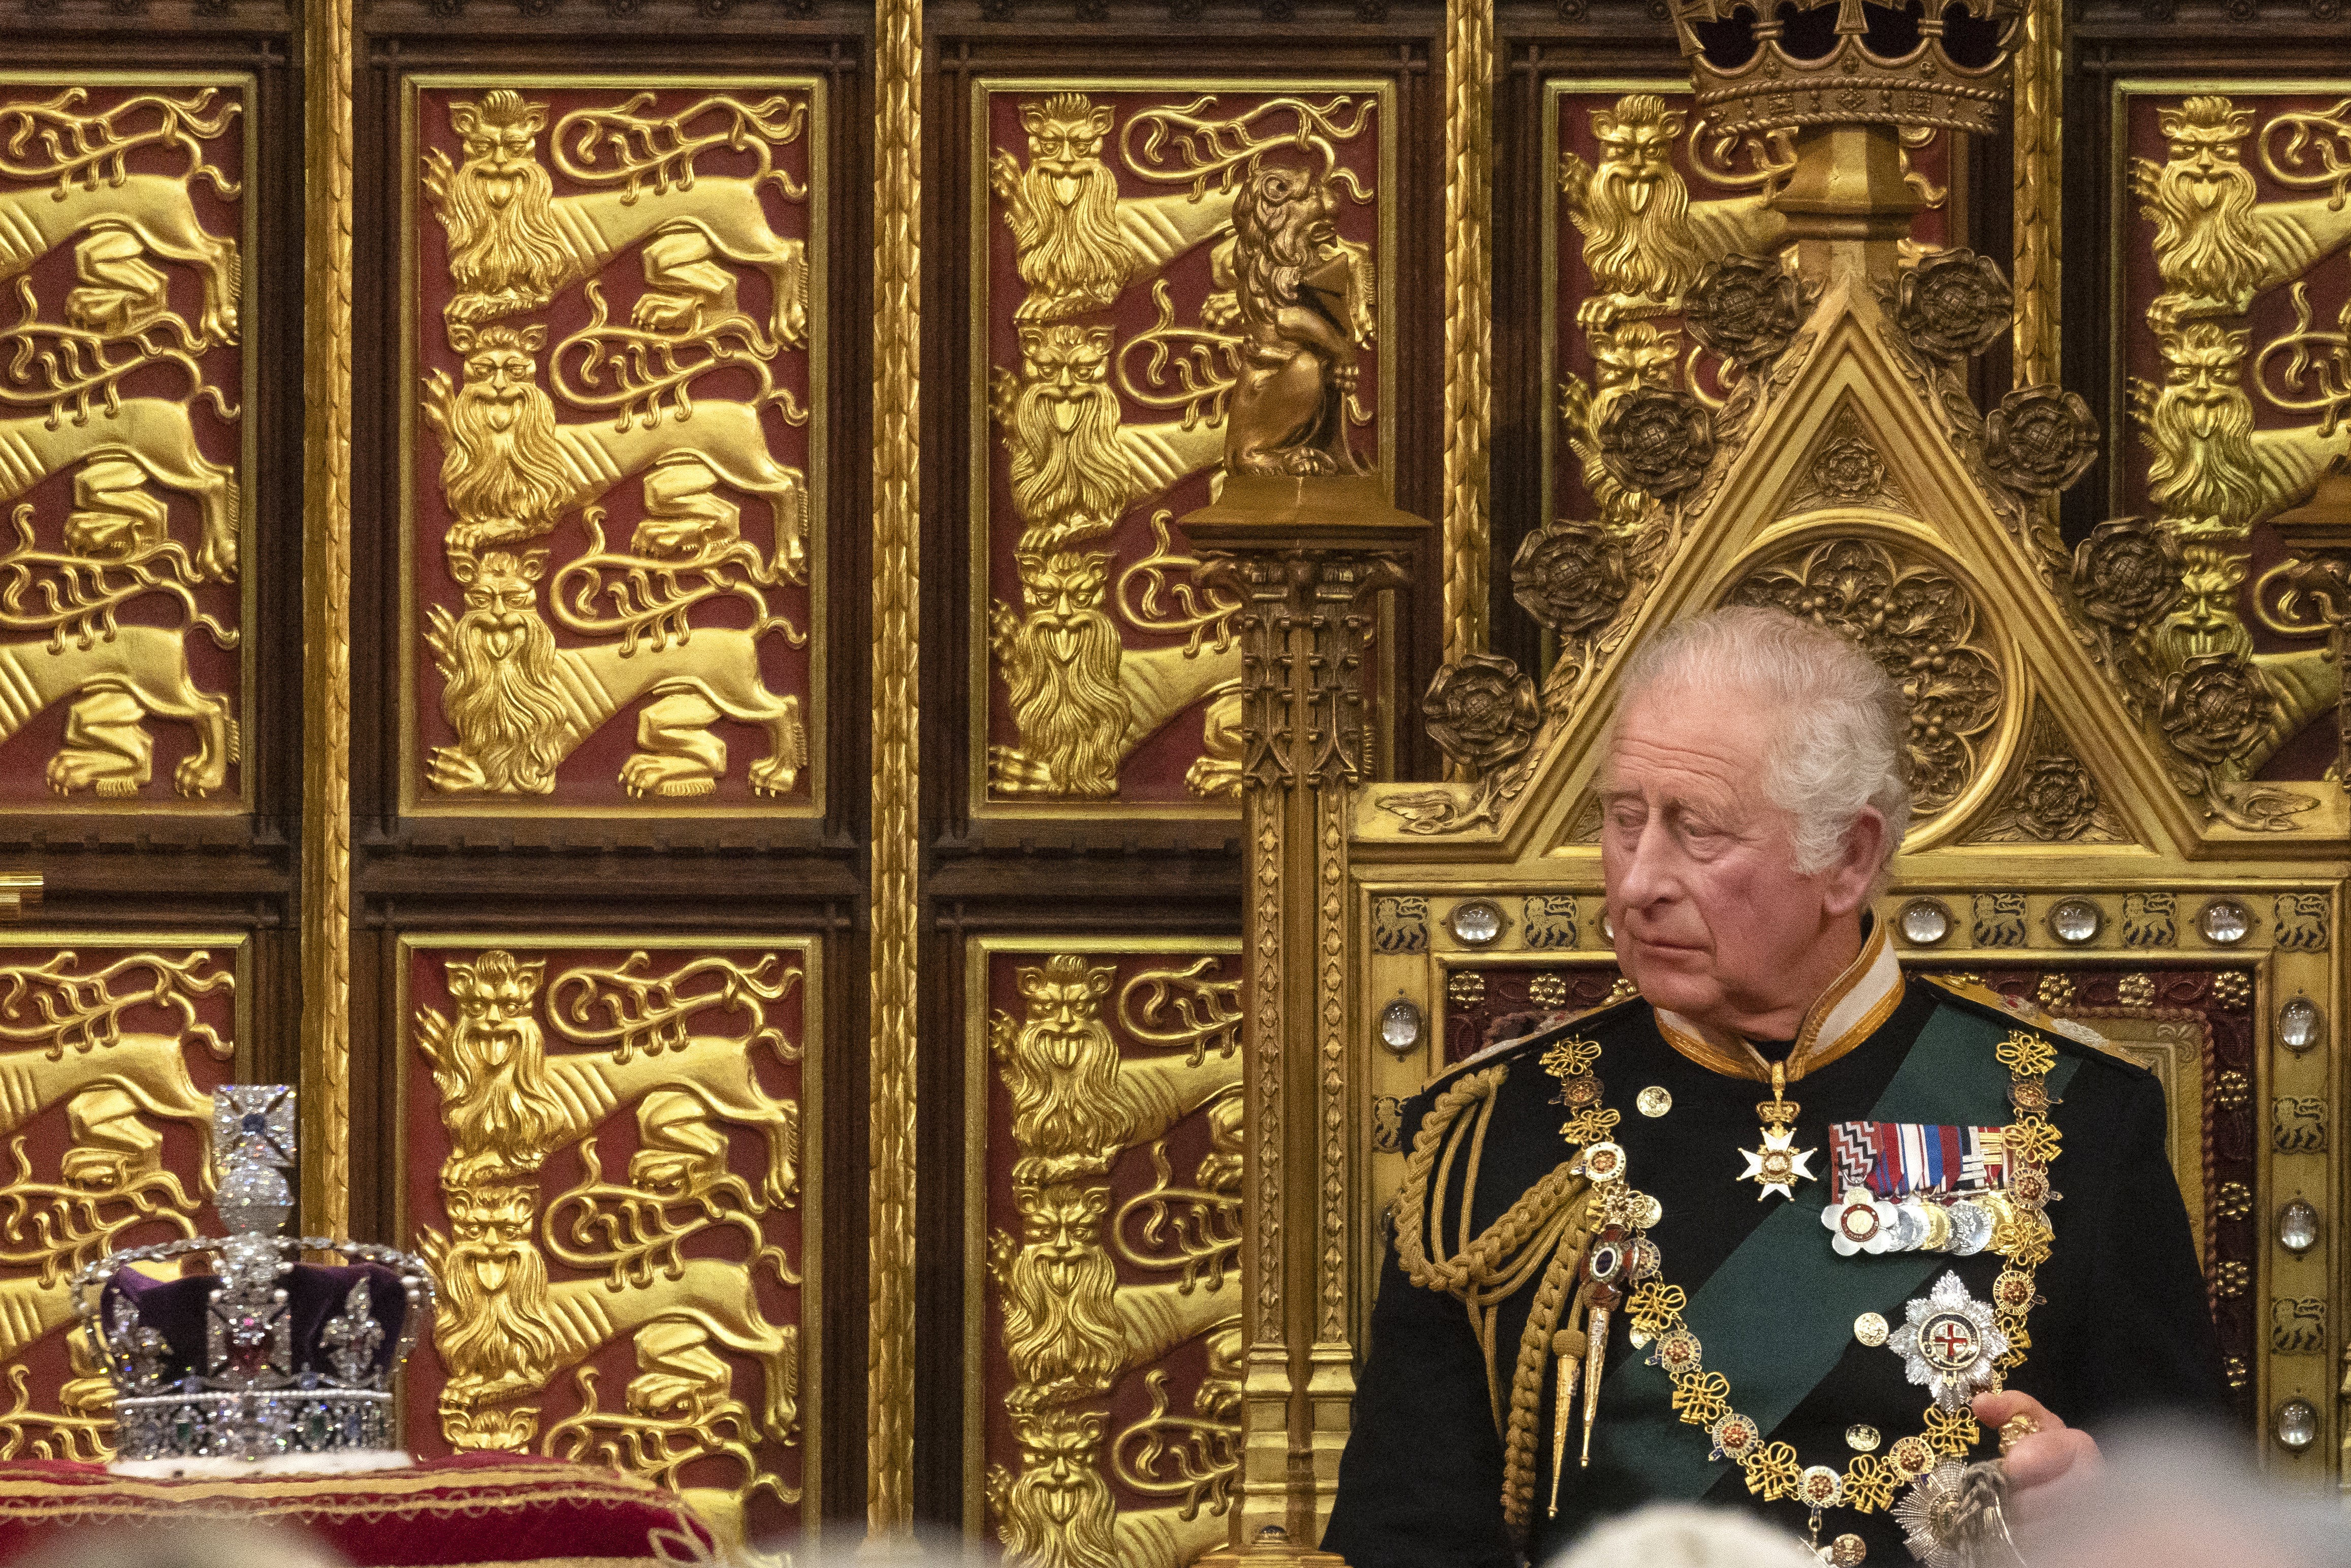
(1996,1410)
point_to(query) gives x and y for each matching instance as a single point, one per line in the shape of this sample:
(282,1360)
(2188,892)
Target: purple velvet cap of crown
(175,1309)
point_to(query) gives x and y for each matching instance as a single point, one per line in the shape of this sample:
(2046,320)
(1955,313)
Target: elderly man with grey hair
(1791,1230)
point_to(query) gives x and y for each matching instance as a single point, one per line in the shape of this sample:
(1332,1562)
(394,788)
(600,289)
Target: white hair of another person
(1678,1535)
(1841,744)
(2181,1497)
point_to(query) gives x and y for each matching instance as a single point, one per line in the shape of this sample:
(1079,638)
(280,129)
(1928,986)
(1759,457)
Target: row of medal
(1959,1223)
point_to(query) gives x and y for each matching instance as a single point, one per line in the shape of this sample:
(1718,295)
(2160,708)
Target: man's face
(1712,920)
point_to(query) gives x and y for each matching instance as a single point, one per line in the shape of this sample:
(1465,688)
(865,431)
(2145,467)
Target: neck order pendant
(1779,1165)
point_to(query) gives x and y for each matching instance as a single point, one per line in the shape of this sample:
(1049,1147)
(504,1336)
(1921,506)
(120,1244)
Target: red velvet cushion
(468,1509)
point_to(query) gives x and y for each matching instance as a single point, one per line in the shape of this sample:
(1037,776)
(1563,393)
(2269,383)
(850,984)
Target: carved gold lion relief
(1111,1354)
(615,501)
(123,224)
(609,1180)
(1165,274)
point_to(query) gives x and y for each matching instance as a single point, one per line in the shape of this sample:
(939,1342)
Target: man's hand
(2052,1452)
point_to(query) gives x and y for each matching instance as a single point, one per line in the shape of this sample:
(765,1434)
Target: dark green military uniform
(2123,1323)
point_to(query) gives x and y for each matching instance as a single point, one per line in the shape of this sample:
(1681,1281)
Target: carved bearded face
(499,378)
(2202,383)
(1065,142)
(1065,595)
(501,143)
(2204,173)
(1636,145)
(1713,921)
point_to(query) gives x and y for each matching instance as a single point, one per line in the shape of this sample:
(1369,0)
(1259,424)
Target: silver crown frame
(248,1402)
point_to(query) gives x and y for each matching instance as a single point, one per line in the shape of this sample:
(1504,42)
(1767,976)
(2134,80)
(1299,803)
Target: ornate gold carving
(1293,285)
(101,183)
(1468,289)
(514,244)
(511,468)
(1747,310)
(327,49)
(1572,577)
(2036,188)
(1656,441)
(109,1043)
(1848,84)
(1951,305)
(1918,621)
(1072,1331)
(2040,439)
(1847,470)
(2052,796)
(1632,211)
(504,1329)
(1082,701)
(520,705)
(1481,711)
(897,833)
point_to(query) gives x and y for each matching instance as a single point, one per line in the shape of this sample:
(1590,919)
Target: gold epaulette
(1487,1056)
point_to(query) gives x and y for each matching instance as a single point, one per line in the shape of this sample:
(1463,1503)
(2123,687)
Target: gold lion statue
(1293,281)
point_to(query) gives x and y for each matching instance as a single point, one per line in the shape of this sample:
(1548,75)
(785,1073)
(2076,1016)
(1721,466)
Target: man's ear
(1846,883)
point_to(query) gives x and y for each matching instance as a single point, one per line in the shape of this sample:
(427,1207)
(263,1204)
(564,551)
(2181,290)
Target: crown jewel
(1764,65)
(269,1360)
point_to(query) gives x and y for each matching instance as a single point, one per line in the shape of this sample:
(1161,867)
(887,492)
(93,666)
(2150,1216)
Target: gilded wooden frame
(411,802)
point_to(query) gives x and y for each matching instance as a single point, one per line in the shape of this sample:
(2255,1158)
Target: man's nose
(1650,871)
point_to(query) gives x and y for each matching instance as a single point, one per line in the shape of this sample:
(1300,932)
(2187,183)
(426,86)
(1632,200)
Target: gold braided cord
(1527,1380)
(1479,1262)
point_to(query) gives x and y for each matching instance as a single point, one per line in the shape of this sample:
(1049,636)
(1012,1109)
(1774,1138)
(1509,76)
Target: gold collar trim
(1854,1007)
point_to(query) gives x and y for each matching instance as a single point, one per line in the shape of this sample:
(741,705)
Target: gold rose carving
(512,468)
(1287,297)
(1917,622)
(109,1043)
(2051,798)
(670,1256)
(118,185)
(1072,1331)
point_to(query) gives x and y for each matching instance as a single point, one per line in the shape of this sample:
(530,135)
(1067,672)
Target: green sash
(1776,1317)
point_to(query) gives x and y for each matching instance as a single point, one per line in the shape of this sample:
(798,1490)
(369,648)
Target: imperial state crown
(269,1363)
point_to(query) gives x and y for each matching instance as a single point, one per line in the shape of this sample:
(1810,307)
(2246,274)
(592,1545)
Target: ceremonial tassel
(1595,1348)
(1567,1361)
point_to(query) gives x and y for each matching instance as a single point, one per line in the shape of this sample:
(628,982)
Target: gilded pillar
(896,830)
(326,880)
(1307,558)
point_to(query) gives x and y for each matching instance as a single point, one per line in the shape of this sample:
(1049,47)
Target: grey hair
(1842,741)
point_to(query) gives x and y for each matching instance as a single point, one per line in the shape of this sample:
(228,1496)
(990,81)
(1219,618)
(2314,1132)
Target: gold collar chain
(1624,1265)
